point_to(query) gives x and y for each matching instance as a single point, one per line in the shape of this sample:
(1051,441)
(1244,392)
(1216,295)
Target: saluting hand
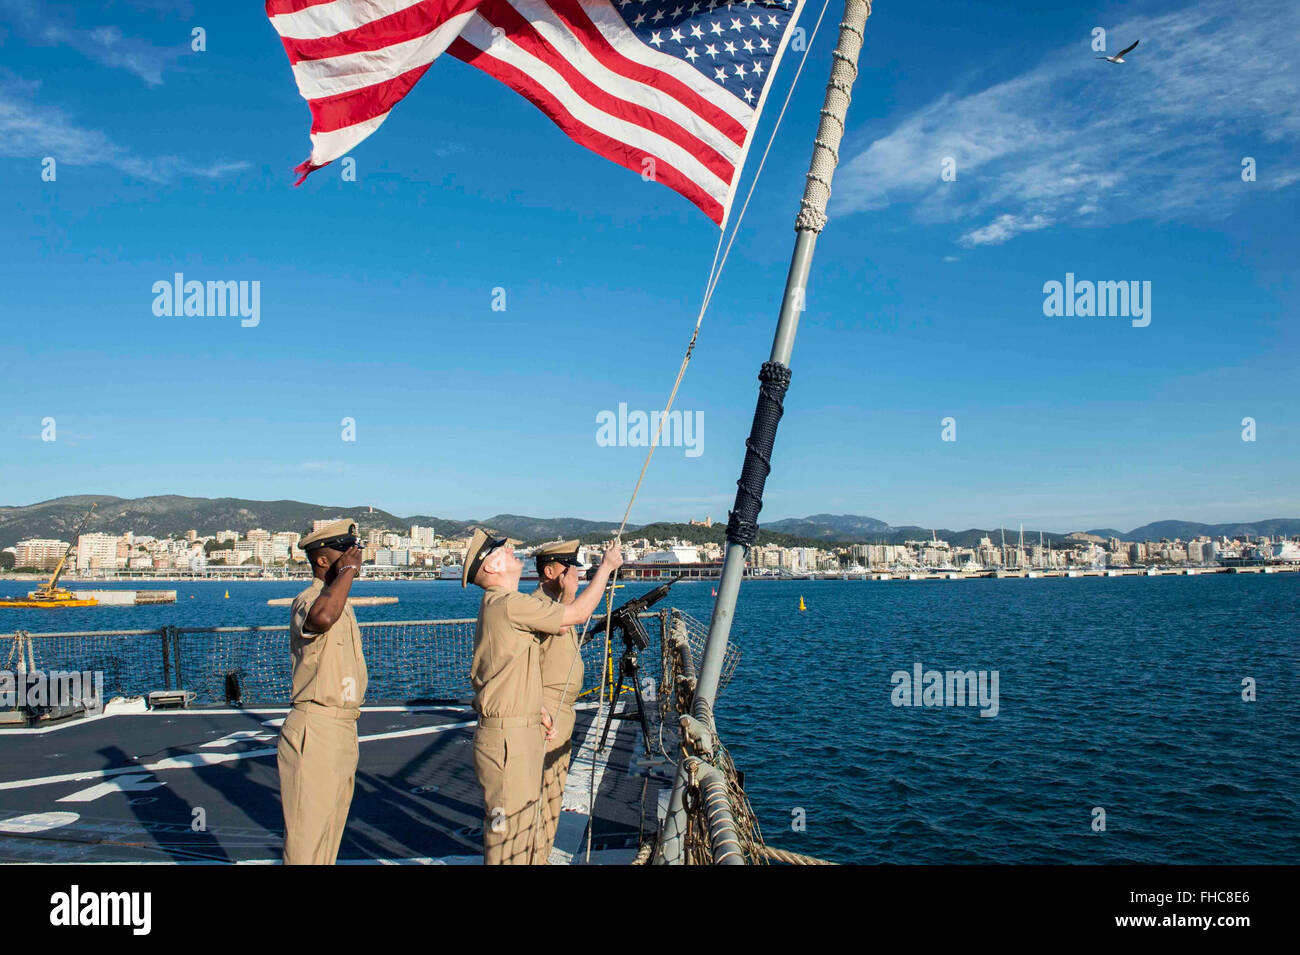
(351,558)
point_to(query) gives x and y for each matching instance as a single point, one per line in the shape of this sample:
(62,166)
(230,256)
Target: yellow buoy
(802,605)
(227,595)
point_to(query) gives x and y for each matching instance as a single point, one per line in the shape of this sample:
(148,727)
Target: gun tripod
(626,619)
(629,668)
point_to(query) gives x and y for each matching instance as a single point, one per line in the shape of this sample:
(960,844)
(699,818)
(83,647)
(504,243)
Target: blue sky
(925,302)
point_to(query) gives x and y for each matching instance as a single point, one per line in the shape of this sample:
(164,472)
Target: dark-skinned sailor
(317,752)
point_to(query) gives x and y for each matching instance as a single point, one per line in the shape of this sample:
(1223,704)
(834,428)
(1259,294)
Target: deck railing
(410,661)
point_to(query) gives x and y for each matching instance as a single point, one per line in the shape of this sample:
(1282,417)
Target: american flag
(667,88)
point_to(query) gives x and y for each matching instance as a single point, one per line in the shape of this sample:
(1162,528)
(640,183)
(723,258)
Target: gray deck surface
(135,787)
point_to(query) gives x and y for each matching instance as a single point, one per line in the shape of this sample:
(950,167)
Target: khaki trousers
(508,763)
(317,758)
(555,773)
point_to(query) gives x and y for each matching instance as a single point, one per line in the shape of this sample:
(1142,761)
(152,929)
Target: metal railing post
(166,658)
(176,654)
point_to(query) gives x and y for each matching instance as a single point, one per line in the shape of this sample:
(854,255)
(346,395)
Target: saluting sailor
(557,568)
(506,674)
(317,753)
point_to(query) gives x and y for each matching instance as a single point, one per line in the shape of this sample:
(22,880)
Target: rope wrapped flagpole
(774,378)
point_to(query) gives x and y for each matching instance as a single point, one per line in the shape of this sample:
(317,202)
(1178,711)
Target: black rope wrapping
(742,522)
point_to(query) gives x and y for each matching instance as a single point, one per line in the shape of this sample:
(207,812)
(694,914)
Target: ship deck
(201,786)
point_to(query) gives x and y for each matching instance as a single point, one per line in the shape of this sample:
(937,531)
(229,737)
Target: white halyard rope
(720,255)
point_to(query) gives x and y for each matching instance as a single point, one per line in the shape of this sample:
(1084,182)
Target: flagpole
(774,379)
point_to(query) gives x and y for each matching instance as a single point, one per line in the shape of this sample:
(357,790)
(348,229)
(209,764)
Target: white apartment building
(97,552)
(248,550)
(39,552)
(286,546)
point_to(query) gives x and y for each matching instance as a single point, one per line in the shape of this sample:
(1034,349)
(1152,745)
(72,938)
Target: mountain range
(850,527)
(171,514)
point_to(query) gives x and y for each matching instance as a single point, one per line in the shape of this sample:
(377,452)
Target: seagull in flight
(1119,57)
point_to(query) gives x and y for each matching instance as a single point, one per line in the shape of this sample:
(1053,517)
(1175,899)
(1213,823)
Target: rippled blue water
(1118,693)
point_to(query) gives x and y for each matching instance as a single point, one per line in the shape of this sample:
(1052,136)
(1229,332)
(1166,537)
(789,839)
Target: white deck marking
(122,784)
(37,822)
(239,736)
(138,708)
(244,711)
(575,810)
(195,760)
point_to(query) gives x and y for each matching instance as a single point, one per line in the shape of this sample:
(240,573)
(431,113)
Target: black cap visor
(341,543)
(491,544)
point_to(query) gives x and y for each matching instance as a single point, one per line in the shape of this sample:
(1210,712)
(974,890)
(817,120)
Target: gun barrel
(653,597)
(634,606)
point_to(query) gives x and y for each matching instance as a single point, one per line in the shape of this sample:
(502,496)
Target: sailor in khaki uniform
(558,569)
(509,743)
(317,753)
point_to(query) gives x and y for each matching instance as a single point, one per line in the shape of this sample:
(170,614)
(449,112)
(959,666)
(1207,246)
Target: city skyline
(375,296)
(766,522)
(425,549)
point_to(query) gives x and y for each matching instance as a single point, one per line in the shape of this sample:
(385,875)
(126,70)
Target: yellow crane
(51,594)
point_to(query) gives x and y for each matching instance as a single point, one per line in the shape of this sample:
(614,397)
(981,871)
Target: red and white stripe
(576,60)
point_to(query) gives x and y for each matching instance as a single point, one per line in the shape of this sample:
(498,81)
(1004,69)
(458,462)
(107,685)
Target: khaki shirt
(561,665)
(506,672)
(328,669)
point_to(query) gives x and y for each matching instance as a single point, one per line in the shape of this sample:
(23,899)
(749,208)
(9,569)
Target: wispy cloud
(31,131)
(1003,228)
(1075,141)
(45,25)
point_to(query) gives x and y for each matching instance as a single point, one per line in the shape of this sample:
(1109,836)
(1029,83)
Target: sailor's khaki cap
(329,534)
(480,545)
(566,552)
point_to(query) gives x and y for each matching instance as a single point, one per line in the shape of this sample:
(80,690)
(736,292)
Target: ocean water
(1118,694)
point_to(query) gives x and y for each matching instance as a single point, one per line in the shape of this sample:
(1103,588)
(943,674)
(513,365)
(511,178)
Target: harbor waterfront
(670,570)
(397,549)
(1112,695)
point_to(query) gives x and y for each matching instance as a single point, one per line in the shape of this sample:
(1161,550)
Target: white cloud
(33,132)
(1004,227)
(1077,141)
(40,24)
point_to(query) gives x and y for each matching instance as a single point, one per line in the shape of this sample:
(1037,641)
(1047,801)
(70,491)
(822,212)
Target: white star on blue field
(733,44)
